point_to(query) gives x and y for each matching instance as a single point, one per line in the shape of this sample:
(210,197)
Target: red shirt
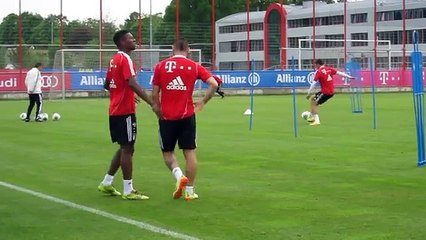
(325,77)
(176,77)
(122,97)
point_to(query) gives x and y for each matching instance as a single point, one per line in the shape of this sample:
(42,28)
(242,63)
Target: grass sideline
(341,180)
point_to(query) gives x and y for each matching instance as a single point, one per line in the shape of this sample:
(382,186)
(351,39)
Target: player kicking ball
(324,75)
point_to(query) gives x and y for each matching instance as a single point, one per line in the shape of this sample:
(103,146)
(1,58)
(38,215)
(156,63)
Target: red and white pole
(248,34)
(213,35)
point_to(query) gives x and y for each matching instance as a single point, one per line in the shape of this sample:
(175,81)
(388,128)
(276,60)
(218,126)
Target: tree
(9,29)
(30,22)
(132,24)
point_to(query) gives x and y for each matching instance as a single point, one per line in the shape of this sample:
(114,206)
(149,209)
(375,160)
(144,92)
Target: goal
(70,64)
(332,52)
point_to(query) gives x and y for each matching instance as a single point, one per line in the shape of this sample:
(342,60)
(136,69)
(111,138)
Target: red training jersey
(325,77)
(176,77)
(122,97)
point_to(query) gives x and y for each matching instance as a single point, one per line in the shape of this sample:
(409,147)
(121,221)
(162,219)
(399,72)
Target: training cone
(248,112)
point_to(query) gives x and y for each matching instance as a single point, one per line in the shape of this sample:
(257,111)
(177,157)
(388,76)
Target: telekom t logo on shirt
(170,66)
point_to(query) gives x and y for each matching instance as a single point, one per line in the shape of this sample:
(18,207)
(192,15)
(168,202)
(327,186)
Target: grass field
(341,180)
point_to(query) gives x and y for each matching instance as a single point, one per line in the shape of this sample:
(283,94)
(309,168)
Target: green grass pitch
(341,180)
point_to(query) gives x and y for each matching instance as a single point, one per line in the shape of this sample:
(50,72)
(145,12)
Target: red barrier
(10,81)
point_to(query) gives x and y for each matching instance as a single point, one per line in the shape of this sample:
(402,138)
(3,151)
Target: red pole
(20,58)
(213,35)
(404,35)
(61,27)
(177,19)
(140,33)
(345,30)
(375,34)
(248,33)
(314,23)
(283,59)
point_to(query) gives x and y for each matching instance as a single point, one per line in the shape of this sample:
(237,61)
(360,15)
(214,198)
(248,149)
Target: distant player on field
(34,83)
(174,81)
(122,85)
(324,75)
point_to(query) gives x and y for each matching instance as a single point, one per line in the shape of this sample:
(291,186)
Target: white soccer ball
(23,116)
(56,117)
(44,116)
(306,115)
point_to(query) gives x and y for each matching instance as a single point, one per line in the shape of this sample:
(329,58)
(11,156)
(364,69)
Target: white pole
(150,33)
(63,74)
(150,24)
(300,54)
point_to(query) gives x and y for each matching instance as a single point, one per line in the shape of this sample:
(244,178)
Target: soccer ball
(56,117)
(307,115)
(44,116)
(23,116)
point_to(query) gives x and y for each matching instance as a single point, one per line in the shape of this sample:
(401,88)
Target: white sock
(189,189)
(108,179)
(316,117)
(177,172)
(127,186)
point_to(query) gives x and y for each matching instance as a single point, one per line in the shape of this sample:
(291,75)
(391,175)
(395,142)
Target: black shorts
(123,129)
(182,131)
(321,98)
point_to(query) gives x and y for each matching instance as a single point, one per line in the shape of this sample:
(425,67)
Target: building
(286,25)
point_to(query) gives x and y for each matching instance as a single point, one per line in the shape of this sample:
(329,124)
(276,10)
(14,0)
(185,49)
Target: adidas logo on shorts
(176,84)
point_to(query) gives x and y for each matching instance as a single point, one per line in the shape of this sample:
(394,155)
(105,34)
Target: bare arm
(156,95)
(139,91)
(312,87)
(211,90)
(342,74)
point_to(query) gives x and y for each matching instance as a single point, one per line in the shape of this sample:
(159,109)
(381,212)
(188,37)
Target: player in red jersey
(174,80)
(324,75)
(122,86)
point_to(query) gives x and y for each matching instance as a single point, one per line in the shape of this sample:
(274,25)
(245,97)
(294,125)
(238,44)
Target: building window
(239,65)
(397,14)
(359,18)
(329,44)
(359,36)
(293,42)
(240,46)
(256,45)
(396,36)
(225,47)
(240,28)
(256,27)
(416,13)
(319,21)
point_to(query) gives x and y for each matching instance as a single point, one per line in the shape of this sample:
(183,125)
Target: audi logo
(49,81)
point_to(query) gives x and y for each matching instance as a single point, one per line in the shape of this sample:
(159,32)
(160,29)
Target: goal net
(332,52)
(92,64)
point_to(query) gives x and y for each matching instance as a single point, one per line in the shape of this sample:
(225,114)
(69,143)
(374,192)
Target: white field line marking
(141,225)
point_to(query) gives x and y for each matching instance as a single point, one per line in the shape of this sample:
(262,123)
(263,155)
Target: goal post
(332,51)
(73,61)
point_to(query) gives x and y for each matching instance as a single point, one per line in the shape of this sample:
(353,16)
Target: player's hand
(157,110)
(198,106)
(219,88)
(220,92)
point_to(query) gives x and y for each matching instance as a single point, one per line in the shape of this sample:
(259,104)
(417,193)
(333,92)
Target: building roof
(322,9)
(242,17)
